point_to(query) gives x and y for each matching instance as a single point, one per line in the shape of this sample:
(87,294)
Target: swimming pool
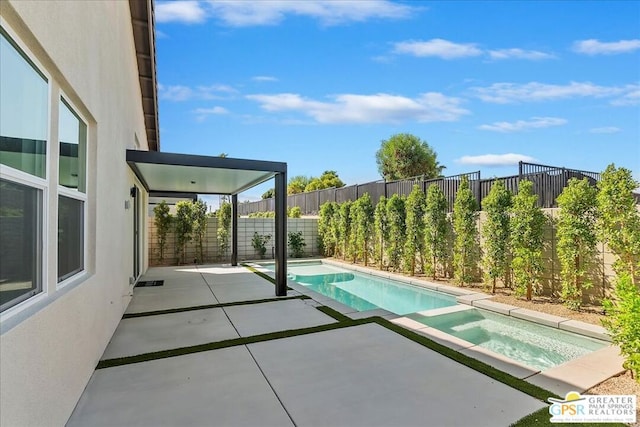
(534,345)
(363,292)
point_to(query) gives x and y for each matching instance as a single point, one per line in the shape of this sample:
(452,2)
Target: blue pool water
(363,292)
(534,345)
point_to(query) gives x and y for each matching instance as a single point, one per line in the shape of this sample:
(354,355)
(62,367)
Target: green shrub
(163,221)
(394,239)
(183,228)
(619,220)
(259,243)
(362,214)
(296,243)
(414,243)
(466,245)
(623,322)
(294,212)
(495,231)
(527,239)
(435,233)
(224,228)
(199,217)
(380,226)
(326,237)
(577,240)
(344,229)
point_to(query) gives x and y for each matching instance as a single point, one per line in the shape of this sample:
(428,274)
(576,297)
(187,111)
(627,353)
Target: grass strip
(163,354)
(335,314)
(541,418)
(205,307)
(261,274)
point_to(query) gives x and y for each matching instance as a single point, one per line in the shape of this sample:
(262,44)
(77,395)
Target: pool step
(445,310)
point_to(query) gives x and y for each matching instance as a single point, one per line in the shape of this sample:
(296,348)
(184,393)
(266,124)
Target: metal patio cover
(171,173)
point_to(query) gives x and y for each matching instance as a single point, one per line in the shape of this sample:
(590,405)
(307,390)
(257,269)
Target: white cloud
(377,108)
(596,47)
(188,12)
(504,93)
(264,79)
(175,93)
(606,129)
(258,13)
(516,53)
(495,160)
(203,113)
(632,97)
(183,93)
(214,110)
(522,125)
(437,47)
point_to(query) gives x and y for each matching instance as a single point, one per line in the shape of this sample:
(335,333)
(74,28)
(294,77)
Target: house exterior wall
(49,349)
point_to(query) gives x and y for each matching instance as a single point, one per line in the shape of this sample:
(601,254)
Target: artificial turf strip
(333,313)
(205,307)
(261,274)
(541,418)
(146,357)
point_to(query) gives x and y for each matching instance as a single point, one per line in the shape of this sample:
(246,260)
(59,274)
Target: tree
(396,219)
(435,228)
(465,217)
(199,215)
(328,179)
(495,231)
(326,237)
(163,220)
(344,227)
(380,226)
(527,239)
(414,243)
(619,220)
(297,184)
(270,193)
(362,215)
(224,227)
(405,156)
(577,240)
(183,227)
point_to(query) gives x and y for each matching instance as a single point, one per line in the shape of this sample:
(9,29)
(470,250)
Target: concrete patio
(362,374)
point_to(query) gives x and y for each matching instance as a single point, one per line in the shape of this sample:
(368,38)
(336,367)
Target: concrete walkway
(363,375)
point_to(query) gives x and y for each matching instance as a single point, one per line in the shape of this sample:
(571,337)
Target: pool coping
(482,300)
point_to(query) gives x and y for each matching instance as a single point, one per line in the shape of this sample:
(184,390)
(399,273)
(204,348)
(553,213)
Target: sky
(320,84)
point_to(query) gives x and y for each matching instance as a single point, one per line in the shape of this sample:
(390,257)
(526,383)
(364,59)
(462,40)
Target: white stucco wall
(49,350)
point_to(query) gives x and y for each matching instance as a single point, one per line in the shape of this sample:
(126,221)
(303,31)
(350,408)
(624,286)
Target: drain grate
(146,283)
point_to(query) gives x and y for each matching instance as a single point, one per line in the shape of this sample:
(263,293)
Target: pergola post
(234,229)
(281,233)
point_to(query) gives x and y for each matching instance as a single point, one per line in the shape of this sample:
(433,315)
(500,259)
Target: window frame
(43,185)
(75,194)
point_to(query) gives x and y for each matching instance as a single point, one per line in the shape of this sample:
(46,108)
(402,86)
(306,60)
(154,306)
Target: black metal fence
(548,183)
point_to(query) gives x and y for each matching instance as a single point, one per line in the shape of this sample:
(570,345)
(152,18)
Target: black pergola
(180,174)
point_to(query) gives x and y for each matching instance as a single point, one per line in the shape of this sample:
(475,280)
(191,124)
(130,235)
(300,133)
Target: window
(70,237)
(24,111)
(21,236)
(27,188)
(72,133)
